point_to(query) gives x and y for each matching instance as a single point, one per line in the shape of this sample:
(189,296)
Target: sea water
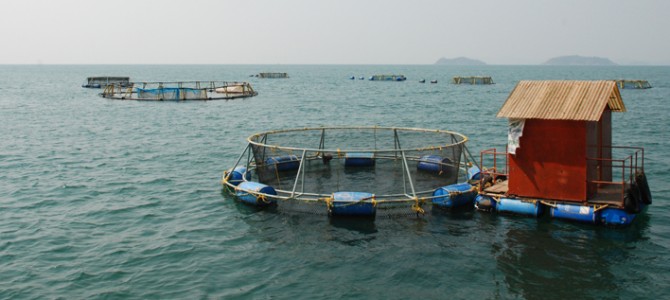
(114,199)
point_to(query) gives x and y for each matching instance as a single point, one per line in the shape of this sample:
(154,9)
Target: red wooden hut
(565,147)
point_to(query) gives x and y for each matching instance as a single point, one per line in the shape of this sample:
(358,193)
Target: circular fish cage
(178,91)
(355,171)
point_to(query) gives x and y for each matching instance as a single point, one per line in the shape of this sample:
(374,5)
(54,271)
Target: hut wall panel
(551,162)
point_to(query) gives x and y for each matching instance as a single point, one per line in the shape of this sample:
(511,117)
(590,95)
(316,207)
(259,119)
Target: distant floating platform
(179,91)
(391,77)
(632,84)
(473,80)
(272,75)
(103,81)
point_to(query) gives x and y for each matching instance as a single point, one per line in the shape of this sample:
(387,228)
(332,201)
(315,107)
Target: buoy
(434,164)
(283,163)
(616,217)
(580,213)
(237,175)
(531,208)
(474,173)
(254,193)
(352,204)
(485,203)
(359,159)
(454,195)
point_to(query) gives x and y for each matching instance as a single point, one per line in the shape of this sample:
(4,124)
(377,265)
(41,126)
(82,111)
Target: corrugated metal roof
(562,100)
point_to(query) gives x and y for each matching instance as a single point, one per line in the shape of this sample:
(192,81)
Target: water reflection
(551,259)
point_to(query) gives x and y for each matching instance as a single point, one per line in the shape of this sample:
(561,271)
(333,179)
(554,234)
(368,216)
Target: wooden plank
(498,188)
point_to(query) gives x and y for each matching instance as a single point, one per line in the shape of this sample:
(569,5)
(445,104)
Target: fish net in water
(400,167)
(171,94)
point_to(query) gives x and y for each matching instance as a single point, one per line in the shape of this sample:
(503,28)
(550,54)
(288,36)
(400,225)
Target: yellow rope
(329,202)
(261,197)
(599,207)
(416,207)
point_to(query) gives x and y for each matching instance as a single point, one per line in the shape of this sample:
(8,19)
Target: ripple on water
(122,199)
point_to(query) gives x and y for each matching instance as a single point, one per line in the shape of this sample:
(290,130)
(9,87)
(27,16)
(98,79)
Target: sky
(510,32)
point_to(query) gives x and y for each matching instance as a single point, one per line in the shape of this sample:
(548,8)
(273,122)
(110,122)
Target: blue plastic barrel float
(433,164)
(485,203)
(574,212)
(359,159)
(616,217)
(521,207)
(250,192)
(237,175)
(454,195)
(474,173)
(283,163)
(352,204)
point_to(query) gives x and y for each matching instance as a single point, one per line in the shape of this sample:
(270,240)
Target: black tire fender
(631,199)
(645,192)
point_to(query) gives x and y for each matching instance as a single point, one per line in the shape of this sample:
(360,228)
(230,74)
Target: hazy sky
(331,31)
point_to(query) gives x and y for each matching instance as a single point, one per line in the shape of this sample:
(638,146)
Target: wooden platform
(607,194)
(499,188)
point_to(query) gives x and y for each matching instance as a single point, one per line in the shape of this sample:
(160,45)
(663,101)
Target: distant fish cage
(473,80)
(391,77)
(633,84)
(272,75)
(179,91)
(103,81)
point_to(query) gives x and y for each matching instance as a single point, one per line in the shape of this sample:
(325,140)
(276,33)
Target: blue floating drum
(283,163)
(359,159)
(255,193)
(434,164)
(579,213)
(352,204)
(531,208)
(455,195)
(237,175)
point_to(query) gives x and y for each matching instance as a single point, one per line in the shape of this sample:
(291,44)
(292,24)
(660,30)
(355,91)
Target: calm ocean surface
(122,199)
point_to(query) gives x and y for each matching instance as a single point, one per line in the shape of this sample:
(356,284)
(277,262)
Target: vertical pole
(409,177)
(301,172)
(240,158)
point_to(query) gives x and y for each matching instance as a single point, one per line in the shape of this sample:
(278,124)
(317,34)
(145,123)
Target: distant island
(576,60)
(459,61)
